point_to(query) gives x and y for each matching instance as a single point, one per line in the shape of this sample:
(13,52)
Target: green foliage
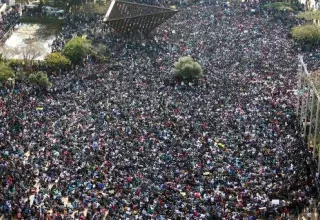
(92,8)
(41,3)
(309,15)
(5,72)
(67,5)
(100,49)
(306,33)
(40,79)
(77,49)
(187,69)
(20,76)
(99,59)
(57,60)
(100,53)
(280,6)
(22,2)
(16,63)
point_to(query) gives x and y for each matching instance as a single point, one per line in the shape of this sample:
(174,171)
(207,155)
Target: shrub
(100,49)
(306,33)
(5,72)
(56,61)
(40,79)
(280,6)
(309,15)
(100,53)
(14,63)
(20,76)
(92,8)
(77,49)
(187,69)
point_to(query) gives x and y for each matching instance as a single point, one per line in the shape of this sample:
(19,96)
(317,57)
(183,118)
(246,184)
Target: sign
(275,202)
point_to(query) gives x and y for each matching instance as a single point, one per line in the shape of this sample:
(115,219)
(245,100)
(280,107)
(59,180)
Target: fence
(6,35)
(308,109)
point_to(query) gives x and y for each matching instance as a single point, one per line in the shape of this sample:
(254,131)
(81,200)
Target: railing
(9,32)
(6,35)
(308,109)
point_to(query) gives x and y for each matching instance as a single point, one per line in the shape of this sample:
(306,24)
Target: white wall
(3,7)
(313,5)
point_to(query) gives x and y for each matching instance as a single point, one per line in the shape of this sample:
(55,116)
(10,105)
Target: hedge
(309,15)
(306,33)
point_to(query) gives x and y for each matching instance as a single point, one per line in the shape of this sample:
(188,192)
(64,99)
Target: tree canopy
(280,6)
(92,8)
(67,4)
(31,51)
(40,79)
(56,60)
(187,69)
(5,72)
(20,76)
(77,49)
(306,33)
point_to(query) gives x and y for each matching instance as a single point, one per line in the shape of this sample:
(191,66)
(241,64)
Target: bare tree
(31,51)
(8,52)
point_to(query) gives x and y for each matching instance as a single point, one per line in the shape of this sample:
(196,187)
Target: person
(124,139)
(309,214)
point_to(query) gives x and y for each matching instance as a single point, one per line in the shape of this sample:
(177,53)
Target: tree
(100,49)
(279,6)
(41,4)
(40,79)
(7,52)
(67,5)
(309,34)
(100,53)
(92,8)
(77,49)
(56,61)
(22,2)
(20,76)
(31,51)
(187,69)
(5,72)
(309,15)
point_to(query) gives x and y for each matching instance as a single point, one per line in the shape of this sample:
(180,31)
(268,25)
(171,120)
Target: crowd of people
(124,140)
(8,20)
(164,2)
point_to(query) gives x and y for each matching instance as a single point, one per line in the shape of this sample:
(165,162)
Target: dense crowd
(8,19)
(124,139)
(160,2)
